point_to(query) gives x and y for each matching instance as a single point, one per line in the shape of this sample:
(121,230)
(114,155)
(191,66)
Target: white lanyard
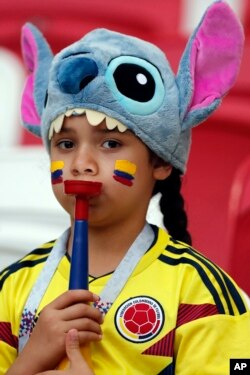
(122,273)
(39,289)
(109,293)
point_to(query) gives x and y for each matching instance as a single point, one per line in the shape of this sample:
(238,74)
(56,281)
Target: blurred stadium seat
(239,227)
(29,212)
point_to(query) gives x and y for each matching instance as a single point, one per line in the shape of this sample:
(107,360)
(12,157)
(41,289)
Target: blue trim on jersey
(202,273)
(18,266)
(219,275)
(214,272)
(169,370)
(235,295)
(40,251)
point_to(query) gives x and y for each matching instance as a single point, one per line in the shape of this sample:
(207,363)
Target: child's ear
(162,171)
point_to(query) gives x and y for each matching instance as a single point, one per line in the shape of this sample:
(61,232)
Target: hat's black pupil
(135,82)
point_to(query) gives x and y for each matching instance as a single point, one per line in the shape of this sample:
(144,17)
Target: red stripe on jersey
(163,347)
(187,313)
(7,336)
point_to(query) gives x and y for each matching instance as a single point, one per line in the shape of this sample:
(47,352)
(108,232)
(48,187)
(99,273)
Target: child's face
(91,153)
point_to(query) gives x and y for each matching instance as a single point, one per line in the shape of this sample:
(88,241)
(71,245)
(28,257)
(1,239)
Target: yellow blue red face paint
(56,169)
(124,172)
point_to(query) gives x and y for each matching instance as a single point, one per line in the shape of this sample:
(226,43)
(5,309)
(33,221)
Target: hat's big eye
(136,84)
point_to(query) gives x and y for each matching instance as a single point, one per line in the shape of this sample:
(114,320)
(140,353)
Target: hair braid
(172,206)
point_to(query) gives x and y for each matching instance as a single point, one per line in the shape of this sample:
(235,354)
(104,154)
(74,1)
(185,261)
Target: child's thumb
(73,347)
(76,354)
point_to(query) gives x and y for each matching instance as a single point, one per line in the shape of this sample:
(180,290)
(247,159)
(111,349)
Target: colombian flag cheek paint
(56,169)
(124,172)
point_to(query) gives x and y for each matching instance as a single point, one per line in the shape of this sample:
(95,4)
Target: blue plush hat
(129,82)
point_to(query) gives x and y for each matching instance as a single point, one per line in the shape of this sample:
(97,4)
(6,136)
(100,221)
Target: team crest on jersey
(139,319)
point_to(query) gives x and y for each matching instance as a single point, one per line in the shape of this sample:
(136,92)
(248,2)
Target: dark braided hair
(172,206)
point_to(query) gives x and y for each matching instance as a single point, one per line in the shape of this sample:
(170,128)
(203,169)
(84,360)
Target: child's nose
(84,164)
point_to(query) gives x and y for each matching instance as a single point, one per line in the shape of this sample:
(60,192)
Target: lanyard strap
(39,289)
(124,270)
(109,293)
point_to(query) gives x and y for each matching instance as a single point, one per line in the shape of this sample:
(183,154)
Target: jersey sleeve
(213,324)
(205,346)
(8,338)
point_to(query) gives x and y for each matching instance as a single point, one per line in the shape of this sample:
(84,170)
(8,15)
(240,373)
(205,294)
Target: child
(111,111)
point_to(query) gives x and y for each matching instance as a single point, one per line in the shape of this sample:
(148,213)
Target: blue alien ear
(37,57)
(210,64)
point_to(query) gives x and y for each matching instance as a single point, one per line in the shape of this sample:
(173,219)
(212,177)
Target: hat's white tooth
(69,112)
(122,128)
(94,118)
(57,123)
(79,111)
(111,123)
(51,131)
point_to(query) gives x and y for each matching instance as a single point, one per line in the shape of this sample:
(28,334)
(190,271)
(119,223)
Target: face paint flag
(56,169)
(124,172)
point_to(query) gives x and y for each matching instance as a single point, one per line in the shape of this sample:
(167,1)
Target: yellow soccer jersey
(177,314)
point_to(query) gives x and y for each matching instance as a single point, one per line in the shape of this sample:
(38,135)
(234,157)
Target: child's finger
(80,310)
(74,353)
(73,346)
(83,325)
(73,296)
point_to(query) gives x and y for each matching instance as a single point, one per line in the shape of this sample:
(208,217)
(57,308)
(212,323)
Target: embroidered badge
(139,319)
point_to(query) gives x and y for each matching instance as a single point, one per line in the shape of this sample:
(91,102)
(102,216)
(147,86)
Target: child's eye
(65,144)
(111,144)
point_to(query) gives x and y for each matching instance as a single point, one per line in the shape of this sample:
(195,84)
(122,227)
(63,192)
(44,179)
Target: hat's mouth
(94,118)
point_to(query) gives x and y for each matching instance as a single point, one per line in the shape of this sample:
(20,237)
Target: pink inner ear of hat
(214,76)
(28,109)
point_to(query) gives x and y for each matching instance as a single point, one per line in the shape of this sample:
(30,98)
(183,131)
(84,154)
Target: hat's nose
(75,73)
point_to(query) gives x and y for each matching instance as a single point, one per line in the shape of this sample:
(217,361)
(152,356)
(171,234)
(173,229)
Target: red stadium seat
(239,227)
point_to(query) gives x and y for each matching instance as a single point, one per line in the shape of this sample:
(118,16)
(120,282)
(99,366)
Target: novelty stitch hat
(129,82)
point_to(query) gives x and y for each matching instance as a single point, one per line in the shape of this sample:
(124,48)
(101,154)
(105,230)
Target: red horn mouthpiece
(83,190)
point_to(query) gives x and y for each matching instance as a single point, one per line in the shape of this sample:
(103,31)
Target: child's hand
(77,363)
(46,346)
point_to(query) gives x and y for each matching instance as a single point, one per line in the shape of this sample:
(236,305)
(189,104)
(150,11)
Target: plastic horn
(82,190)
